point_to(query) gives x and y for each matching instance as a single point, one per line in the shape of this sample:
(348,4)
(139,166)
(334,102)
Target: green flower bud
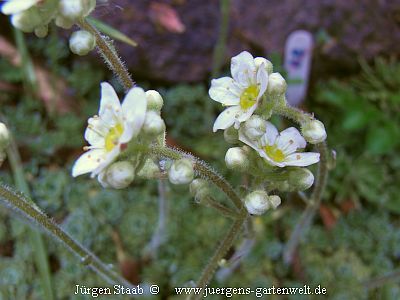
(154,100)
(300,179)
(181,171)
(150,170)
(236,158)
(41,31)
(268,65)
(254,127)
(314,131)
(275,201)
(153,124)
(199,189)
(119,175)
(231,135)
(276,84)
(82,42)
(64,22)
(27,20)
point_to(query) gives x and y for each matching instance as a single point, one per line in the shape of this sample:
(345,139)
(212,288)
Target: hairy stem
(22,206)
(110,55)
(222,249)
(40,251)
(225,211)
(300,117)
(204,170)
(312,206)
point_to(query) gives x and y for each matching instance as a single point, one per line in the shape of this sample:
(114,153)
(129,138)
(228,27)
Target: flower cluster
(119,136)
(36,15)
(272,157)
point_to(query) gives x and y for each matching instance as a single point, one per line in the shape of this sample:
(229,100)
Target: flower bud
(231,135)
(82,42)
(275,201)
(41,31)
(267,64)
(199,189)
(75,9)
(300,179)
(254,127)
(64,22)
(27,20)
(236,158)
(149,170)
(314,131)
(120,174)
(257,202)
(153,124)
(181,171)
(154,100)
(276,84)
(4,137)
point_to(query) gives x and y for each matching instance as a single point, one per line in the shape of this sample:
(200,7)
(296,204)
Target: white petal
(249,142)
(262,80)
(110,107)
(226,118)
(17,6)
(245,115)
(107,159)
(225,91)
(301,159)
(87,162)
(95,133)
(243,68)
(269,160)
(134,112)
(290,140)
(271,134)
(102,178)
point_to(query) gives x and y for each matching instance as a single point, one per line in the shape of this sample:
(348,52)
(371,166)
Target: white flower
(241,93)
(110,131)
(279,149)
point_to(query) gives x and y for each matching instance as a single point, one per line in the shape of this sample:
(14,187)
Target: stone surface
(344,30)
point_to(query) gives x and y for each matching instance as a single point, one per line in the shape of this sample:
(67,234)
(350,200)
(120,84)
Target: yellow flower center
(274,153)
(113,137)
(249,96)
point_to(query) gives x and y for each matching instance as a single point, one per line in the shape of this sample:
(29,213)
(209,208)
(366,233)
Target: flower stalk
(204,170)
(24,207)
(113,61)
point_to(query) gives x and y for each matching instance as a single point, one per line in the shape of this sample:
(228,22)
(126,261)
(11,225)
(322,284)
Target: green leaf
(112,32)
(382,139)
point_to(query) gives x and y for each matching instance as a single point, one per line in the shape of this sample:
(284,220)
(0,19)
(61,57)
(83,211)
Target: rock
(344,30)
